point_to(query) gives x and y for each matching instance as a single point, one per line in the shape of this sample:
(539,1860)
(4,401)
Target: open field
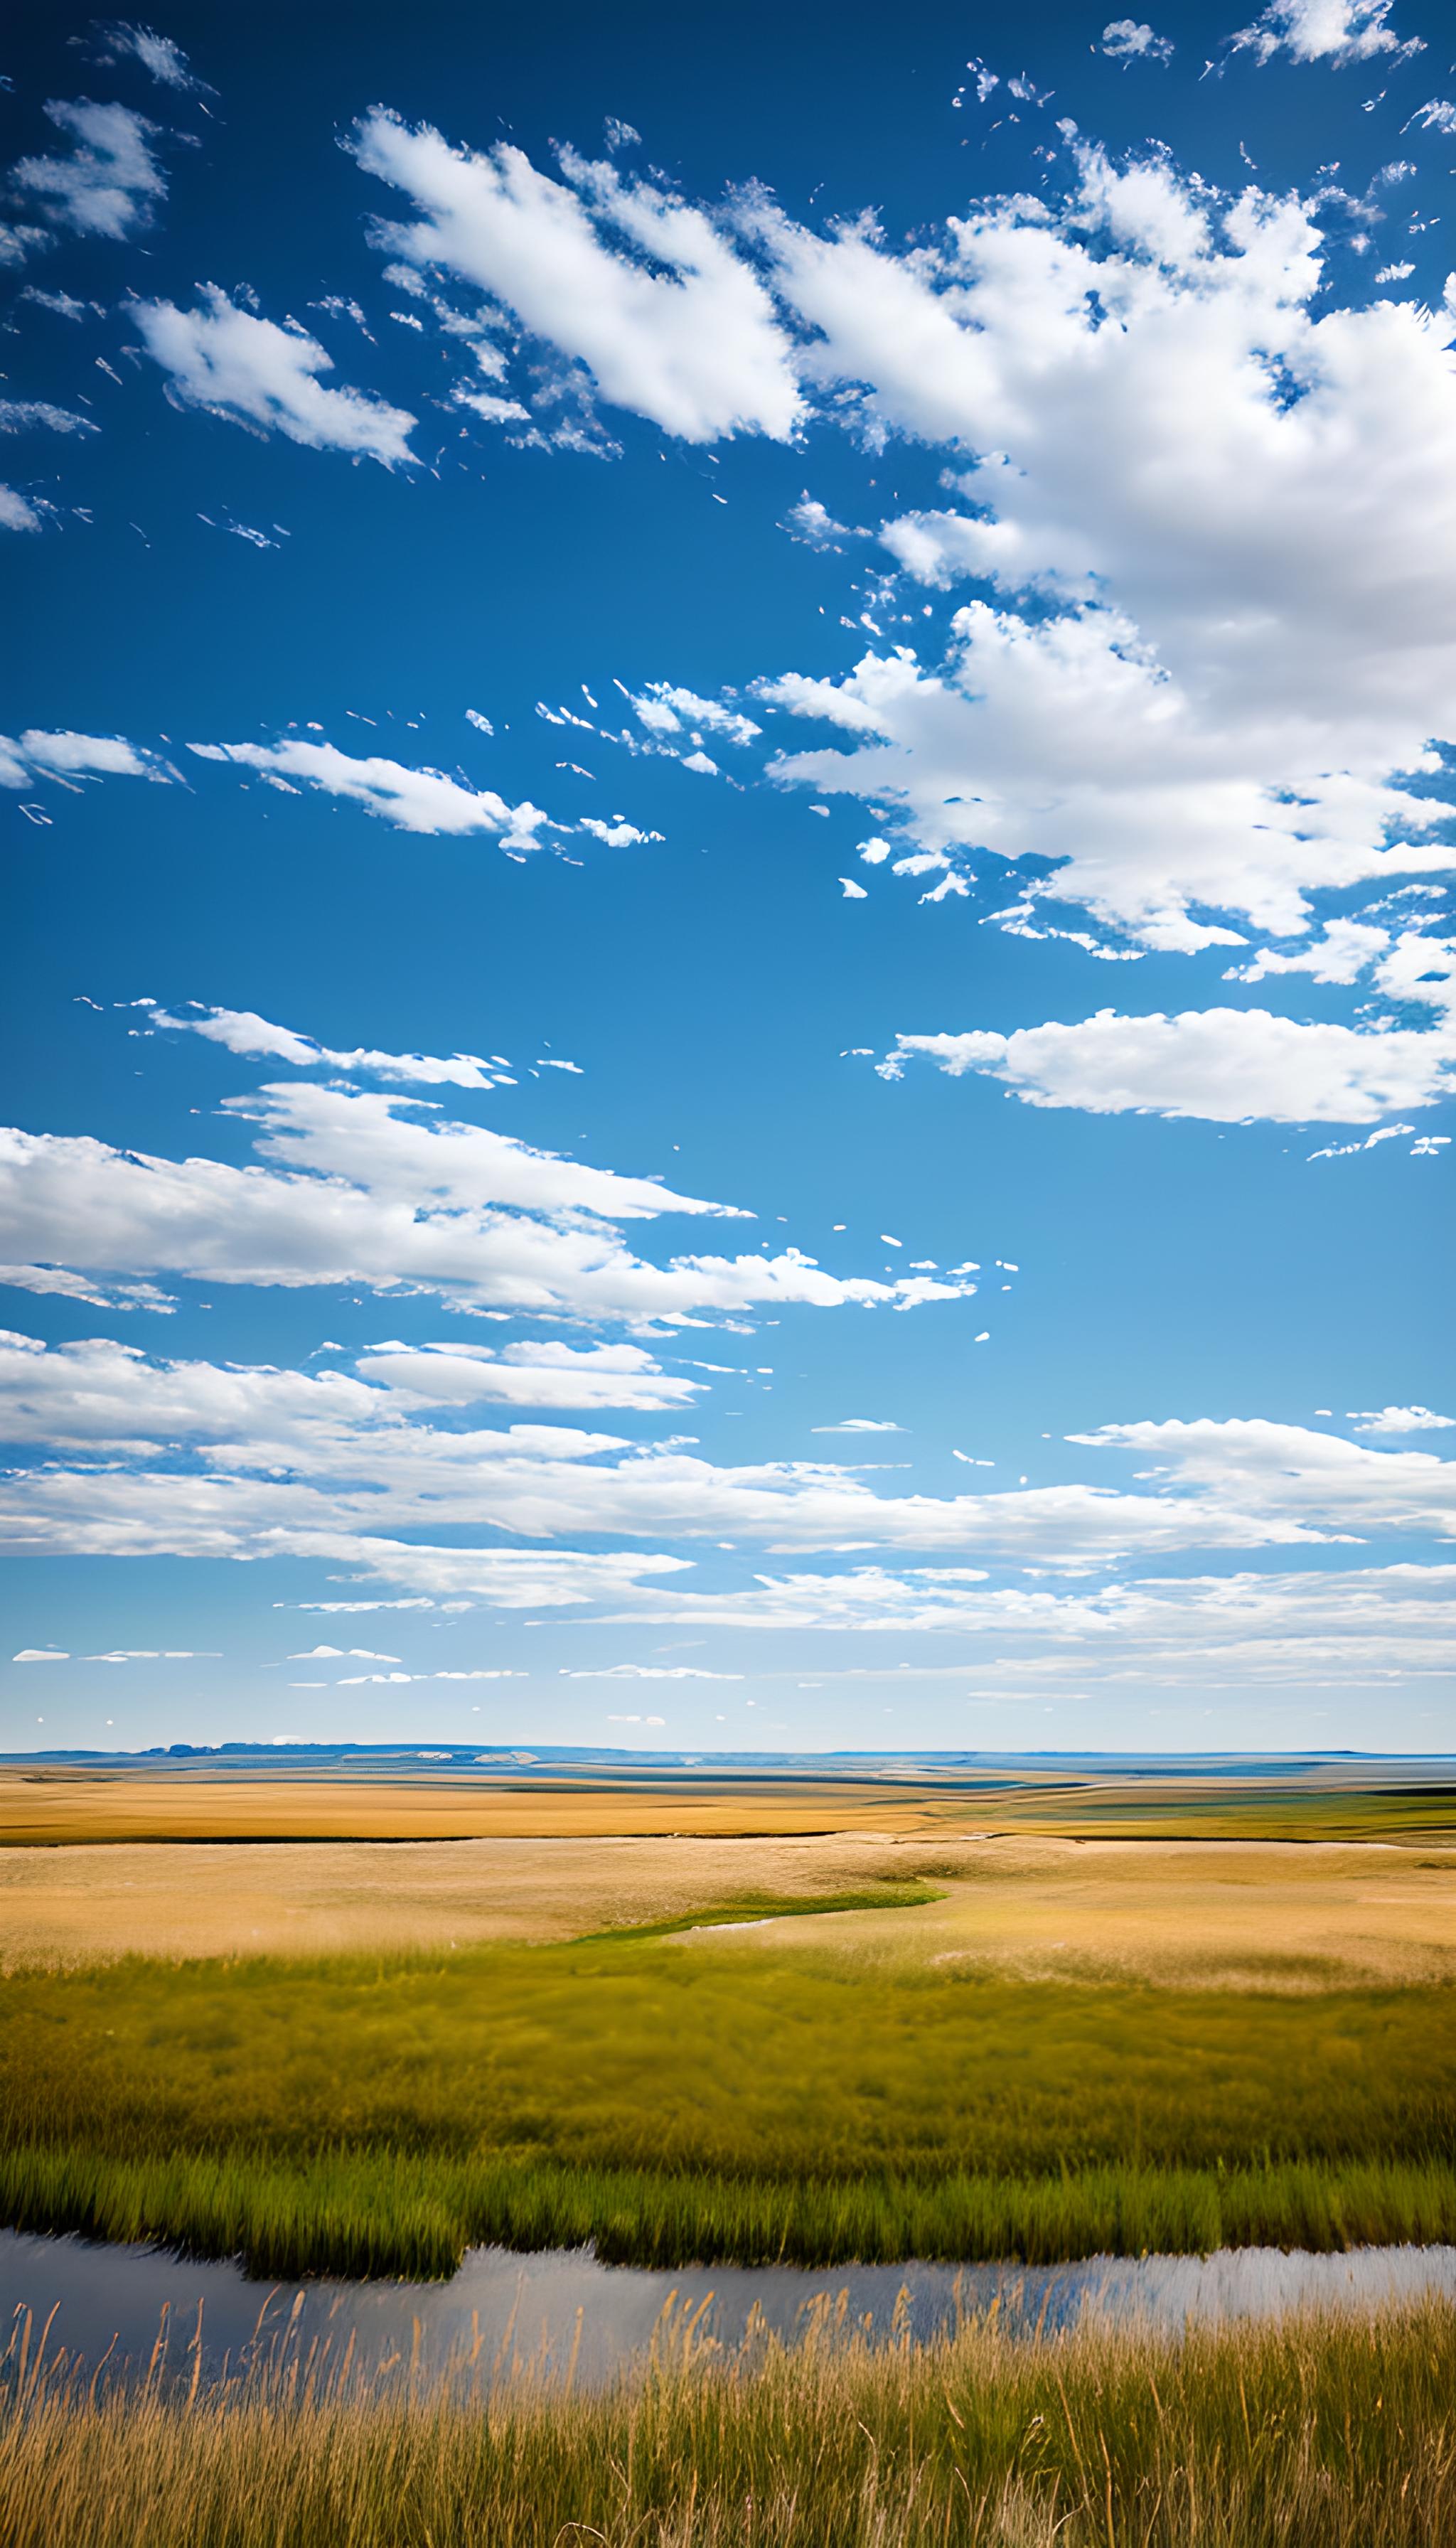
(1335,2433)
(1220,1912)
(676,2097)
(368,2054)
(264,1795)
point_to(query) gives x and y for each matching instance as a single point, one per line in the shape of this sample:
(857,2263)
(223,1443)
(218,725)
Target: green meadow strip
(349,2212)
(678,2101)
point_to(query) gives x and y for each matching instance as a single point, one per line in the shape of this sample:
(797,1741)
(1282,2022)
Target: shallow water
(562,2312)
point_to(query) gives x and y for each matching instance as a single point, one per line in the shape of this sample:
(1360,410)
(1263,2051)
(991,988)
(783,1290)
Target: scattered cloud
(120,41)
(814,526)
(77,756)
(1401,1420)
(355,1187)
(861,1424)
(110,183)
(647,1672)
(17,513)
(414,800)
(241,1030)
(1222,1065)
(1338,32)
(1128,42)
(642,289)
(225,360)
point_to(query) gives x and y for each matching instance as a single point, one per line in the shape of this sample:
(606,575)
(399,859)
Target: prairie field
(1308,2433)
(762,2083)
(367,2054)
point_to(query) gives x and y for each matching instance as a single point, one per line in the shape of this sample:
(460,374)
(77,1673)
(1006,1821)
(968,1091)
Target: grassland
(716,2095)
(1214,1911)
(47,1804)
(1303,2434)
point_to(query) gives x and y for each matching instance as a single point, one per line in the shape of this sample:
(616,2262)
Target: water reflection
(564,2315)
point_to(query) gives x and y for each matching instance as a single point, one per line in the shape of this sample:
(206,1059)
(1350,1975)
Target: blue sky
(728,784)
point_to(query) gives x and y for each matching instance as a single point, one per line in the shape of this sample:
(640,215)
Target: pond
(564,2315)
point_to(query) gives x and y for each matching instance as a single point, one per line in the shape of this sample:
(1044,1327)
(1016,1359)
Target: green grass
(677,2103)
(1334,2434)
(884,1895)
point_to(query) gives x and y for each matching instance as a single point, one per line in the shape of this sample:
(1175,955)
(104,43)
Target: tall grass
(384,2211)
(1338,2432)
(675,2104)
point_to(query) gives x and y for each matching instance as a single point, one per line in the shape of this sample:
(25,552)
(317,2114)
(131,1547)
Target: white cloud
(1222,1065)
(814,526)
(24,416)
(16,514)
(363,1188)
(1127,41)
(414,800)
(20,239)
(1338,32)
(110,183)
(247,370)
(342,1653)
(1401,1420)
(861,1424)
(201,1459)
(642,289)
(648,1671)
(620,835)
(665,708)
(158,55)
(242,1031)
(529,1375)
(100,756)
(1222,532)
(1331,1627)
(41,1655)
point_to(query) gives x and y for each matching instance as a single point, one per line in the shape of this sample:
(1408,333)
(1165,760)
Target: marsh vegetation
(1307,2433)
(675,2098)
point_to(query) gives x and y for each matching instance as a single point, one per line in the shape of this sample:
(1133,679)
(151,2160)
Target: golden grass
(1308,2434)
(1220,1913)
(262,1798)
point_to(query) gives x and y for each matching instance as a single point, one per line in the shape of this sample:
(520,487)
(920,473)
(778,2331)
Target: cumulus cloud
(1400,1419)
(77,756)
(109,184)
(814,526)
(666,709)
(251,372)
(1218,644)
(1338,32)
(526,1374)
(17,513)
(1232,1066)
(374,1190)
(330,1463)
(414,800)
(643,290)
(1348,1627)
(1224,1065)
(1127,41)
